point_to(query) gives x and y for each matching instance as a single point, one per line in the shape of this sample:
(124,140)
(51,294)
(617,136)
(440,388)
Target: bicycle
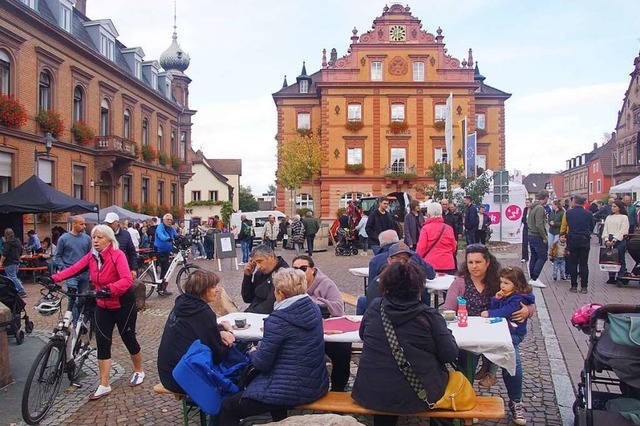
(67,350)
(148,272)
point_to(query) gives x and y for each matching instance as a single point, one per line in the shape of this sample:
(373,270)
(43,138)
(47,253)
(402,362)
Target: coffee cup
(449,315)
(241,322)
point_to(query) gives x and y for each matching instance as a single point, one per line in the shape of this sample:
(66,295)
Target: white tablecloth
(439,283)
(360,272)
(491,340)
(254,332)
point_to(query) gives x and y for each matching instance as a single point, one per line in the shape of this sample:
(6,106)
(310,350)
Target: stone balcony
(116,145)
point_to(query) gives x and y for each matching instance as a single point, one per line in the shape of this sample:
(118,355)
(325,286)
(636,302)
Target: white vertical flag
(448,128)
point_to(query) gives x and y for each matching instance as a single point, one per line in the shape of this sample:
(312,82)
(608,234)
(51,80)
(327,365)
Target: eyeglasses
(303,268)
(476,248)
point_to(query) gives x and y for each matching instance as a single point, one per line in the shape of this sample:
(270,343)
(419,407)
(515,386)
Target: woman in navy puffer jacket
(290,357)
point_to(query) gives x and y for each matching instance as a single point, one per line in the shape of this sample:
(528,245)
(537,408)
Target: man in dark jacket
(257,284)
(525,231)
(151,230)
(471,220)
(124,241)
(578,242)
(10,259)
(311,228)
(538,238)
(379,220)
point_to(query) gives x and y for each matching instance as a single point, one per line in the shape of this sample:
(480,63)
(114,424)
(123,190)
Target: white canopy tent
(632,185)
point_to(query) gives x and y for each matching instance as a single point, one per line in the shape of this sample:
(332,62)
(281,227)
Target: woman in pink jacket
(110,274)
(437,244)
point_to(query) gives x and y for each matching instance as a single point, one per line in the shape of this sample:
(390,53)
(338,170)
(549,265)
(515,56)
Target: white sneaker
(537,283)
(100,392)
(136,379)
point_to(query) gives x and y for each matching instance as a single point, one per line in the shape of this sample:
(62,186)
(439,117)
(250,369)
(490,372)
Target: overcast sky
(567,64)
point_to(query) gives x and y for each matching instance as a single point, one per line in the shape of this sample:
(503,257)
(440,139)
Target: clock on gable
(397,33)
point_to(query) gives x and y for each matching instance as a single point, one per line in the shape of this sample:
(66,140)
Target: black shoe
(611,281)
(573,289)
(584,290)
(164,293)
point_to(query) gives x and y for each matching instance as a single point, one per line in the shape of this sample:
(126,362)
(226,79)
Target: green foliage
(225,211)
(149,153)
(163,158)
(271,189)
(248,202)
(477,189)
(439,171)
(175,162)
(355,168)
(132,207)
(51,122)
(303,211)
(299,158)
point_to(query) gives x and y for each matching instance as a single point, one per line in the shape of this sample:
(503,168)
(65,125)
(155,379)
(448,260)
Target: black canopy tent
(35,196)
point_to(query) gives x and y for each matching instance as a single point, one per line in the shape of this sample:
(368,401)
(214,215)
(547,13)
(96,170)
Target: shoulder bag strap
(435,241)
(401,360)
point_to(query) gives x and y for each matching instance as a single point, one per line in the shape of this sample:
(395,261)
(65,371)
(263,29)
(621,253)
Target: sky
(567,64)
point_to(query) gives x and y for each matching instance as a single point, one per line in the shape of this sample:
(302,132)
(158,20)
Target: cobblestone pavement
(140,406)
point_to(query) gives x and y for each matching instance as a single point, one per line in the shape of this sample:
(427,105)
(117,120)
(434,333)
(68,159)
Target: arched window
(349,196)
(104,117)
(173,143)
(126,125)
(5,73)
(304,201)
(145,132)
(160,139)
(44,91)
(78,104)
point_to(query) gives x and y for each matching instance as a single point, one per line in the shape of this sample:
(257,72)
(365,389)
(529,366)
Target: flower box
(50,122)
(175,162)
(355,168)
(439,124)
(12,112)
(305,132)
(149,153)
(398,127)
(354,125)
(163,158)
(82,133)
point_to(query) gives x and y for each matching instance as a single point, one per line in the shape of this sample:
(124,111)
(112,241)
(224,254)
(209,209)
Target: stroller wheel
(354,251)
(28,327)
(20,337)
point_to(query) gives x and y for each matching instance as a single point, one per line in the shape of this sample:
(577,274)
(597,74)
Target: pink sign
(495,217)
(513,212)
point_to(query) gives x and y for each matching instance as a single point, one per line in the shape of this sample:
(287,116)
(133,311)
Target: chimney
(595,146)
(81,5)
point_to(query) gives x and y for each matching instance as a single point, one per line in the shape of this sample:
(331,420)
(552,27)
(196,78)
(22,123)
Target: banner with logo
(470,156)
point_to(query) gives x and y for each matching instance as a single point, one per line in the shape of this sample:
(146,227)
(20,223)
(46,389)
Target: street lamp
(48,140)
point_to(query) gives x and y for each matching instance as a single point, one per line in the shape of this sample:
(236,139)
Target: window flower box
(82,133)
(12,112)
(305,132)
(149,153)
(439,124)
(398,127)
(175,162)
(163,158)
(50,122)
(354,125)
(355,168)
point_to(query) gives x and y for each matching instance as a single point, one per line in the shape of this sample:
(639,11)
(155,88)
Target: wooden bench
(487,407)
(187,405)
(32,269)
(349,299)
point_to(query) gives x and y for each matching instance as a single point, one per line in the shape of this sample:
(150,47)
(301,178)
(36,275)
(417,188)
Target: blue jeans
(310,239)
(514,383)
(81,284)
(470,235)
(246,249)
(12,274)
(361,305)
(622,254)
(199,247)
(538,256)
(559,265)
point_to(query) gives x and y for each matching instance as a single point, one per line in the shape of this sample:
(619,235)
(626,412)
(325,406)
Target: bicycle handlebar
(55,288)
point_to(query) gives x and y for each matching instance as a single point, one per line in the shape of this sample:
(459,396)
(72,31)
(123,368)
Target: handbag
(624,329)
(206,383)
(458,394)
(609,259)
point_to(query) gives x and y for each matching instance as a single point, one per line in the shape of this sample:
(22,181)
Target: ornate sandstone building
(380,113)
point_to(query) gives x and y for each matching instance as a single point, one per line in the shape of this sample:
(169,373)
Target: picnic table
(361,272)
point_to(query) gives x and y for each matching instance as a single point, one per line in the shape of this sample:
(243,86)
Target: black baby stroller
(613,360)
(10,297)
(345,246)
(633,248)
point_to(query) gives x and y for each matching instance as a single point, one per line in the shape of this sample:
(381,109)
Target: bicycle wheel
(80,353)
(183,274)
(43,382)
(145,275)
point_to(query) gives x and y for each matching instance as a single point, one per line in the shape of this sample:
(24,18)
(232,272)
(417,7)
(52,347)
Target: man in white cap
(125,242)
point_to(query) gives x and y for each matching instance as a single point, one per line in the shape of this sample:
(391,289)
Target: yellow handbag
(458,395)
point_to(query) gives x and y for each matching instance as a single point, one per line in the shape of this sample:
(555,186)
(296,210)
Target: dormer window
(30,3)
(138,68)
(65,18)
(304,86)
(107,47)
(154,79)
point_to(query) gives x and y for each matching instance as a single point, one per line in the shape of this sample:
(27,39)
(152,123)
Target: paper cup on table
(449,315)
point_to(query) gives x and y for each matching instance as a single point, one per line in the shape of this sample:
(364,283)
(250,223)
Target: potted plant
(398,126)
(12,112)
(354,125)
(175,162)
(355,168)
(439,124)
(163,158)
(50,122)
(82,133)
(305,132)
(149,153)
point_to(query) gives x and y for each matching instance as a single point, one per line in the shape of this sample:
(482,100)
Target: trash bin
(321,242)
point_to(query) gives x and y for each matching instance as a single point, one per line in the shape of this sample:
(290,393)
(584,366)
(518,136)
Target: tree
(439,171)
(300,159)
(248,203)
(271,189)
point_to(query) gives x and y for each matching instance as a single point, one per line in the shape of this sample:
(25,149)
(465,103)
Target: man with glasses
(163,245)
(257,283)
(325,293)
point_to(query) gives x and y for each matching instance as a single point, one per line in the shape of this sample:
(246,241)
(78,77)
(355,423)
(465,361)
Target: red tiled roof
(226,166)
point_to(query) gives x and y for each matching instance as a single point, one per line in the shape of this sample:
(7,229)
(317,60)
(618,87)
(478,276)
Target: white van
(258,218)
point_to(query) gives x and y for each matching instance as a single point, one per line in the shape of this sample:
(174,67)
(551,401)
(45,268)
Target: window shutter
(5,164)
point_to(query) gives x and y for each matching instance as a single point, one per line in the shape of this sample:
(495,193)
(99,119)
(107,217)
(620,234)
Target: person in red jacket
(109,272)
(437,244)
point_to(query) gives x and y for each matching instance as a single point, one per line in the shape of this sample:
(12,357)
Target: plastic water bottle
(463,316)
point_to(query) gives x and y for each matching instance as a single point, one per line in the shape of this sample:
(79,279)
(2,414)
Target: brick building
(395,73)
(55,59)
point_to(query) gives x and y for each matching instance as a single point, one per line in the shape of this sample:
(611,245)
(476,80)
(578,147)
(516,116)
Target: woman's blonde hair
(290,282)
(107,232)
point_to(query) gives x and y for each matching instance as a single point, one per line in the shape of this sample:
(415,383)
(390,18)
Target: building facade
(122,124)
(379,112)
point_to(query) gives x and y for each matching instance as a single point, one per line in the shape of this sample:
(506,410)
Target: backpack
(247,230)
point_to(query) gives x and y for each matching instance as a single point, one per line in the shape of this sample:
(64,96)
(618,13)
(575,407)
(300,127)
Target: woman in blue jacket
(290,357)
